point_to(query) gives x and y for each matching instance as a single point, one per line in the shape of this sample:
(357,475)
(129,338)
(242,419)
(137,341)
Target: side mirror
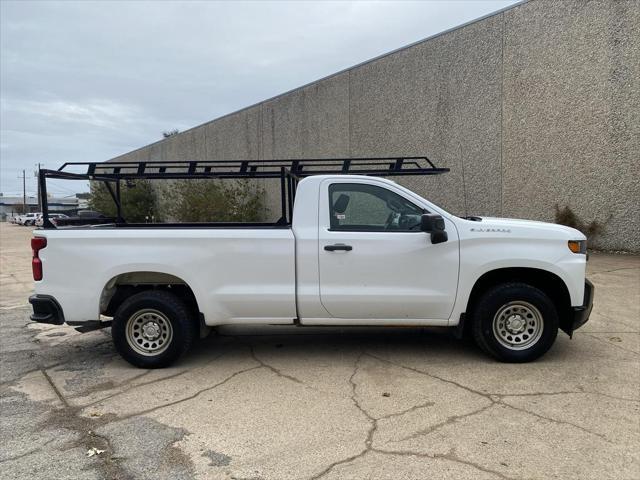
(434,224)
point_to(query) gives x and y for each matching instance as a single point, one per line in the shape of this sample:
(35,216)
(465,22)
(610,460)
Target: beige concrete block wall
(571,114)
(536,105)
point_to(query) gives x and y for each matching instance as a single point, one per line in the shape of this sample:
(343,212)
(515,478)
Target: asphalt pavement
(292,403)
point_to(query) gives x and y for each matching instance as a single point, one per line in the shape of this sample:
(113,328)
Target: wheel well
(122,286)
(544,280)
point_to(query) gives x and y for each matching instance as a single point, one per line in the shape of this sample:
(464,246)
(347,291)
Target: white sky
(86,81)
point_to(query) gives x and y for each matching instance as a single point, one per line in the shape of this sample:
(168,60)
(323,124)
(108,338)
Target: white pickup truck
(28,219)
(358,250)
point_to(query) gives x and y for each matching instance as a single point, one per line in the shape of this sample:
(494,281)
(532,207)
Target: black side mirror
(434,224)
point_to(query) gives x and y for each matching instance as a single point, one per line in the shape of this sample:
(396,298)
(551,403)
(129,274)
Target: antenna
(464,185)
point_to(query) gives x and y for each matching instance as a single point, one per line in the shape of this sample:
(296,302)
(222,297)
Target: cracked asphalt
(287,403)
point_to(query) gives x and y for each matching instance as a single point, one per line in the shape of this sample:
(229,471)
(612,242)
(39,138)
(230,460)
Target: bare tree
(170,133)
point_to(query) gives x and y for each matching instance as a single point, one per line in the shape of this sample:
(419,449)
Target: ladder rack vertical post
(283,196)
(290,197)
(42,187)
(119,218)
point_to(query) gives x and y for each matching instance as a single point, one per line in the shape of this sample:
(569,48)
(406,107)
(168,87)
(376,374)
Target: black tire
(515,322)
(164,313)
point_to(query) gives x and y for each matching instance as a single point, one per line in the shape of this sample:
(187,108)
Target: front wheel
(515,322)
(152,329)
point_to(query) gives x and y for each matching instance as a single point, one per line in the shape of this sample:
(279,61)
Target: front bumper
(46,310)
(580,315)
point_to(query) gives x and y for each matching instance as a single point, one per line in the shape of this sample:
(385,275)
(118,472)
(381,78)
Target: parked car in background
(28,219)
(90,214)
(54,217)
(84,217)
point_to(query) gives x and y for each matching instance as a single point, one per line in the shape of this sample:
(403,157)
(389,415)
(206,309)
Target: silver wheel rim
(149,332)
(518,325)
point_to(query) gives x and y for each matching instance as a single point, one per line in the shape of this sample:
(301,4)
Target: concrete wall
(533,106)
(571,114)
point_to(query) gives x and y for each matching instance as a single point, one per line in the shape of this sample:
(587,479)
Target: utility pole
(37,175)
(24,192)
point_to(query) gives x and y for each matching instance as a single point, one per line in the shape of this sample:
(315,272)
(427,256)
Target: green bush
(211,200)
(138,201)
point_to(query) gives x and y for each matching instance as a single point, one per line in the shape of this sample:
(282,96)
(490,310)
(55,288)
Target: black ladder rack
(289,171)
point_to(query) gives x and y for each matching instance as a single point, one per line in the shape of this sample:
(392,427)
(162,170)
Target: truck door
(374,262)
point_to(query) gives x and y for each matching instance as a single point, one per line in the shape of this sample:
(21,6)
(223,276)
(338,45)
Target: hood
(516,224)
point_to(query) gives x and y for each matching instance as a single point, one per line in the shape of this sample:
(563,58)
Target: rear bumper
(580,315)
(46,310)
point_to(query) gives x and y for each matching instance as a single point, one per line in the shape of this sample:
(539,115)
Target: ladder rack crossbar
(383,166)
(289,171)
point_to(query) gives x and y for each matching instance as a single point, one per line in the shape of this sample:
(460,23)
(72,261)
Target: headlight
(578,246)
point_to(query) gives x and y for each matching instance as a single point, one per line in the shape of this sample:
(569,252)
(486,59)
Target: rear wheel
(153,329)
(515,322)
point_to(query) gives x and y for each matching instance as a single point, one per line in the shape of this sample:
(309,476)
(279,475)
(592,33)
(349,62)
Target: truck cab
(372,263)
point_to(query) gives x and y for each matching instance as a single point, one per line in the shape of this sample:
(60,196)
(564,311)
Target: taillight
(37,244)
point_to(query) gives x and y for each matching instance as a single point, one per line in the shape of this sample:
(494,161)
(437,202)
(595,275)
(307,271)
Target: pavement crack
(55,388)
(356,402)
(450,420)
(535,394)
(557,422)
(338,463)
(408,410)
(41,369)
(437,377)
(611,344)
(450,456)
(132,387)
(612,271)
(493,399)
(138,385)
(581,332)
(614,397)
(567,392)
(18,457)
(453,457)
(272,368)
(190,397)
(106,386)
(370,433)
(25,454)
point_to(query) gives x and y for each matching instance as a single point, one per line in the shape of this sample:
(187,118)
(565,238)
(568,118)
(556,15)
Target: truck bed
(236,274)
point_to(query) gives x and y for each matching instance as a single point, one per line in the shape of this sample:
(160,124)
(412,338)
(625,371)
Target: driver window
(369,208)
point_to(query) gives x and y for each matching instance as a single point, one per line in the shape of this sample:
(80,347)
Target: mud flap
(580,315)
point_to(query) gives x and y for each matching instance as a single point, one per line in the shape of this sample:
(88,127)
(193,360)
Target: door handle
(338,246)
